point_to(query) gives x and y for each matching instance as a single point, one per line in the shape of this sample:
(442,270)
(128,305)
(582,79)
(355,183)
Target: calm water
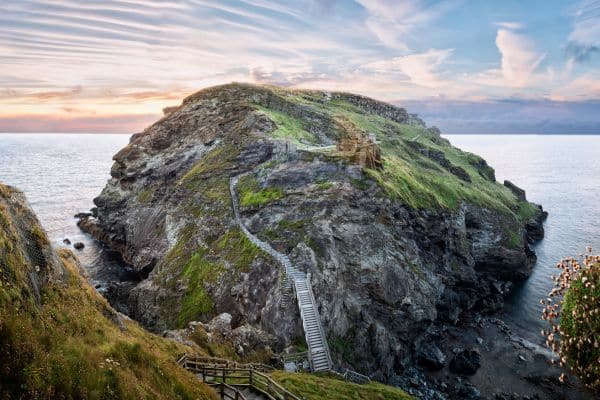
(563,174)
(61,174)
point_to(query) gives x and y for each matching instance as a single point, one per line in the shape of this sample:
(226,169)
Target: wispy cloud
(584,40)
(394,22)
(90,60)
(419,68)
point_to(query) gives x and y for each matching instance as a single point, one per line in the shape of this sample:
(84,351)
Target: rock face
(425,236)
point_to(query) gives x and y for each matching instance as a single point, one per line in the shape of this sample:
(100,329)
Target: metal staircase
(318,350)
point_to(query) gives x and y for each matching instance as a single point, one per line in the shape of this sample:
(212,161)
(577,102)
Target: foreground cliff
(399,230)
(59,339)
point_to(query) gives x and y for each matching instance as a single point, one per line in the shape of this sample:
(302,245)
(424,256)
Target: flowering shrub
(573,311)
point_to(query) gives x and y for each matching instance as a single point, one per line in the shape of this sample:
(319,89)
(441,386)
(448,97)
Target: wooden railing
(227,392)
(223,362)
(216,374)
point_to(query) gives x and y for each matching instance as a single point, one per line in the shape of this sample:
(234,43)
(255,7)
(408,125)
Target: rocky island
(398,233)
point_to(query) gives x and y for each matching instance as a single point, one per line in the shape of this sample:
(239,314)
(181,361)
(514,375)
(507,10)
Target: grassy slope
(407,174)
(314,387)
(68,346)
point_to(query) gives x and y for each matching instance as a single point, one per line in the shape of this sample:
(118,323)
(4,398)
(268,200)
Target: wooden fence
(216,374)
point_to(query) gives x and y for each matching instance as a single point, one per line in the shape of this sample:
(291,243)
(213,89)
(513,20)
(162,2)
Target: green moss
(324,185)
(313,387)
(235,247)
(197,302)
(296,226)
(144,196)
(252,195)
(215,161)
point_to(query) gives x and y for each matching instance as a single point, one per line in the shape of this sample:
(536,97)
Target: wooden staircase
(318,350)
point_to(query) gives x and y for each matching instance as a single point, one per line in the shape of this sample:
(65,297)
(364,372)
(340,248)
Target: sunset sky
(467,66)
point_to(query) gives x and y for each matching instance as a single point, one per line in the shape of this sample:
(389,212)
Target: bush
(573,311)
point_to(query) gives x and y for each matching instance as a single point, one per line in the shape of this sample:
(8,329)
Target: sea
(62,173)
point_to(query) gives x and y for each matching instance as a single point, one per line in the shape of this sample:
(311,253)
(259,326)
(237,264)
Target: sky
(477,66)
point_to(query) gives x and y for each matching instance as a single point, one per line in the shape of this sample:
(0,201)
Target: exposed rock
(66,241)
(466,362)
(432,357)
(520,193)
(78,245)
(382,271)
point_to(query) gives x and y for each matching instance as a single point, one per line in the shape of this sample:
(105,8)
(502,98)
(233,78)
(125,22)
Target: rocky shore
(408,254)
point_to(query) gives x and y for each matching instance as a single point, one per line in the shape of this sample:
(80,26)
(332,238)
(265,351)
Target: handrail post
(250,377)
(222,390)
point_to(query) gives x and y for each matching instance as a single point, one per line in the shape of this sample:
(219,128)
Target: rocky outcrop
(389,254)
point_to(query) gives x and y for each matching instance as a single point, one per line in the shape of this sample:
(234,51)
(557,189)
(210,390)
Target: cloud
(584,40)
(510,25)
(101,124)
(393,22)
(419,68)
(519,57)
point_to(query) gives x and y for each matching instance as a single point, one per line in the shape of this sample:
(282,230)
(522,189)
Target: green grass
(237,249)
(408,175)
(197,302)
(289,128)
(252,195)
(314,387)
(68,346)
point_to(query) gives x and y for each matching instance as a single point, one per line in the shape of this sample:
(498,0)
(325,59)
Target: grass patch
(237,249)
(289,128)
(197,302)
(144,196)
(252,195)
(313,387)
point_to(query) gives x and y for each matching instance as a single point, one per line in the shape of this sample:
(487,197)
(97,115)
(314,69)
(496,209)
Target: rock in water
(78,246)
(395,235)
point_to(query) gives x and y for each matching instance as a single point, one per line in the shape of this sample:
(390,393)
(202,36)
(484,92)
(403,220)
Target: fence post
(222,390)
(250,377)
(203,375)
(223,374)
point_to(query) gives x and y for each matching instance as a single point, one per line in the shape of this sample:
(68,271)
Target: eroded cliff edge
(399,230)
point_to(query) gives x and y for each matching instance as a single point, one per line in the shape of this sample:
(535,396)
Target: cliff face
(59,339)
(420,235)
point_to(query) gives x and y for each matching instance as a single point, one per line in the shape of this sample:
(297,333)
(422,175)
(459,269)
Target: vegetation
(252,195)
(420,168)
(68,343)
(325,387)
(290,128)
(144,196)
(573,311)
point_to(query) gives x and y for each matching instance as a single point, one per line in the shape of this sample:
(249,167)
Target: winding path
(318,350)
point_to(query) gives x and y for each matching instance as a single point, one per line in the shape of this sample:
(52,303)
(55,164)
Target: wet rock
(466,362)
(78,245)
(82,215)
(66,241)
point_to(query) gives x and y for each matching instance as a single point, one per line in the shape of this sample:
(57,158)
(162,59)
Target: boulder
(432,357)
(466,362)
(79,246)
